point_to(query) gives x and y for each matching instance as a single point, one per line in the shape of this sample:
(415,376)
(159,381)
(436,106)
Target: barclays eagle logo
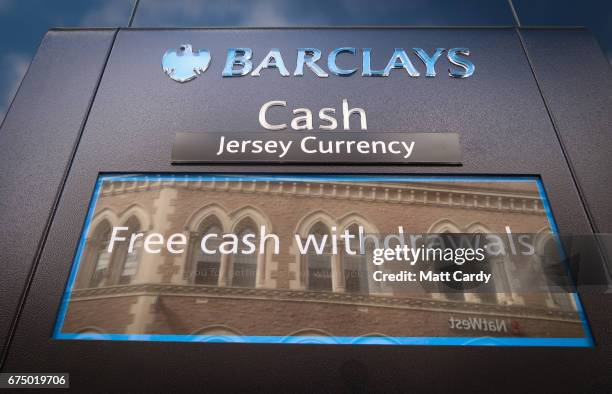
(185,64)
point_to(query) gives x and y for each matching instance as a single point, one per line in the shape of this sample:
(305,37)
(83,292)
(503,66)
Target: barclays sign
(185,64)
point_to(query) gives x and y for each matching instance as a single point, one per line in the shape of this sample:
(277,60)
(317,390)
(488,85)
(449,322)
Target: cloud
(193,12)
(109,14)
(276,13)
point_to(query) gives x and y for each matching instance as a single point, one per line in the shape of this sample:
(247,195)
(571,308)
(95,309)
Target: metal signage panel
(318,147)
(498,111)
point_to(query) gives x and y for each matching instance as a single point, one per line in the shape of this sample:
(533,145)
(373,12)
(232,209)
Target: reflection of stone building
(285,294)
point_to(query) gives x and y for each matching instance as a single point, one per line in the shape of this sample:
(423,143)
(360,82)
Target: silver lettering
(262,115)
(272,60)
(461,62)
(430,62)
(308,57)
(238,57)
(333,67)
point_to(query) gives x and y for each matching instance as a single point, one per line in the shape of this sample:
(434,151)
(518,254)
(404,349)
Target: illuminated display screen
(321,259)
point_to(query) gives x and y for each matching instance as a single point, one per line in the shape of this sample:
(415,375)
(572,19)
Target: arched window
(487,292)
(319,265)
(355,266)
(555,275)
(129,260)
(101,258)
(243,269)
(453,290)
(208,265)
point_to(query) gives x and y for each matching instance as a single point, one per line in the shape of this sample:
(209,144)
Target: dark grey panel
(24,23)
(501,99)
(504,128)
(576,81)
(36,144)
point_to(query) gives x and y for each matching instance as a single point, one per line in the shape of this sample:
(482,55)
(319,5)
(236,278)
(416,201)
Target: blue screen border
(586,341)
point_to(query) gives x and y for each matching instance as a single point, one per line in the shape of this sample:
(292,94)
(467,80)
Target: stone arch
(250,212)
(244,223)
(240,266)
(135,210)
(499,290)
(356,269)
(246,269)
(354,218)
(195,268)
(308,221)
(125,263)
(100,228)
(96,259)
(318,272)
(477,228)
(212,210)
(444,226)
(105,214)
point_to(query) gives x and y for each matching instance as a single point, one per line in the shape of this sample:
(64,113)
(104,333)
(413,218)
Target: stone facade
(162,294)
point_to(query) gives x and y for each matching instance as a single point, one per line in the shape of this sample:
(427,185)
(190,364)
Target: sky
(23,23)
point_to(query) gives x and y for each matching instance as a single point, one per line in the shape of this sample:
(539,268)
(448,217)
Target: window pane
(207,273)
(355,274)
(319,273)
(208,265)
(245,270)
(101,268)
(130,266)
